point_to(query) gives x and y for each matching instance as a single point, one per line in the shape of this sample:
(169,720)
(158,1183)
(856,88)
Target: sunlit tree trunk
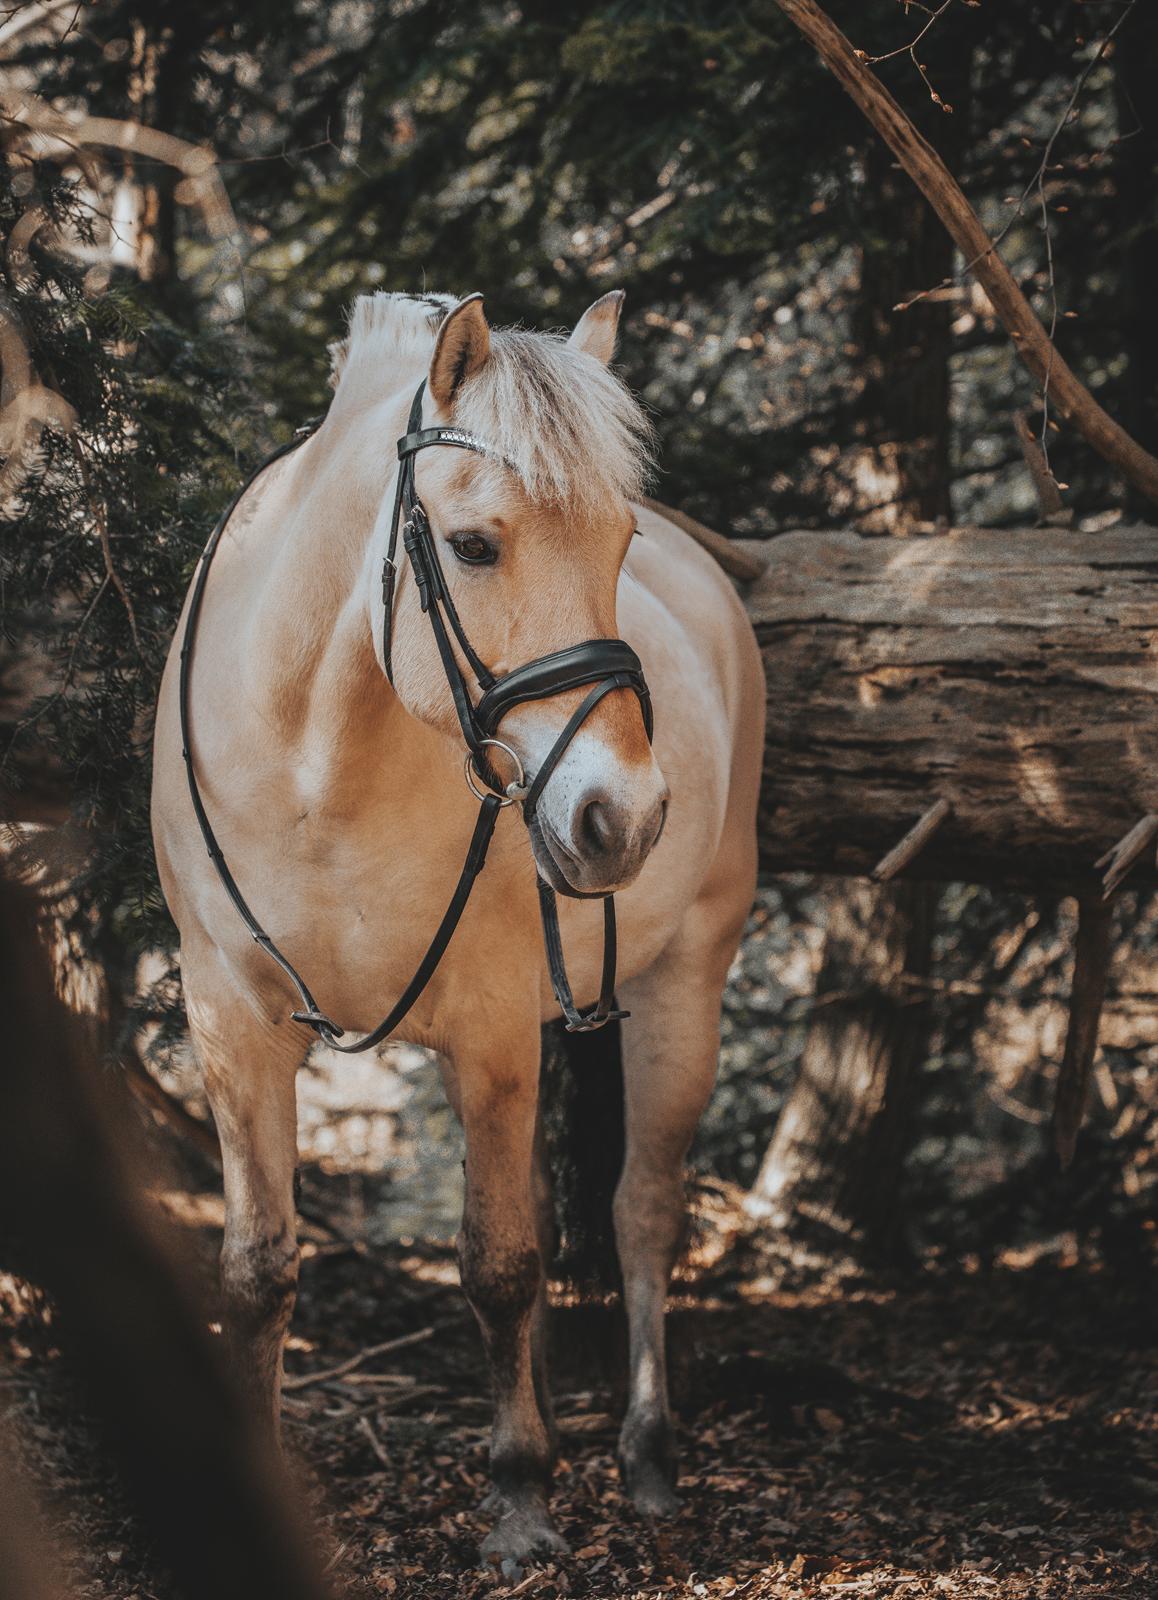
(842,1136)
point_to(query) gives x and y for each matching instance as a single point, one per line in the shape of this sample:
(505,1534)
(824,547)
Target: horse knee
(649,1211)
(501,1285)
(259,1279)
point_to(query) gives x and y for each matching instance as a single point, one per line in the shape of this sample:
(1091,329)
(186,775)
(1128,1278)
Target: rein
(605,664)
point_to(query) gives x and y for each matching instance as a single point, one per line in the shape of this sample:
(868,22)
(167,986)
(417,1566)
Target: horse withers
(336,790)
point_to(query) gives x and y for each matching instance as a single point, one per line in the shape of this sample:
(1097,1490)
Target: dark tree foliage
(100,543)
(695,155)
(698,157)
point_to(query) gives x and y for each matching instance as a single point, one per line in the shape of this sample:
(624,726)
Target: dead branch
(930,174)
(366,1428)
(169,1109)
(1129,849)
(1091,963)
(100,516)
(1049,500)
(909,848)
(305,1379)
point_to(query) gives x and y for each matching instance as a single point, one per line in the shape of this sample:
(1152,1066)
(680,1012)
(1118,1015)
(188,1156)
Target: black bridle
(604,664)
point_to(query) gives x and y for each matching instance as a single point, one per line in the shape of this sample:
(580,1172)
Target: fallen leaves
(945,1438)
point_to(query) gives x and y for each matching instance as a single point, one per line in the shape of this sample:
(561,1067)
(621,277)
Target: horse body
(341,806)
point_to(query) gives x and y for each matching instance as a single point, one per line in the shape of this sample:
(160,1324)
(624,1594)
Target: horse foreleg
(502,1267)
(670,1048)
(249,1067)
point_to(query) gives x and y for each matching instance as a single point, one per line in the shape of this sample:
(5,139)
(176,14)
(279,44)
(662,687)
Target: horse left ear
(461,348)
(595,331)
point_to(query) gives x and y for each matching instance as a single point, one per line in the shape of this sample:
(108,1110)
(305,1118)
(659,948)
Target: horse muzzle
(598,843)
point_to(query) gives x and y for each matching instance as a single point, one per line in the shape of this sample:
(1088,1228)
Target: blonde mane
(572,432)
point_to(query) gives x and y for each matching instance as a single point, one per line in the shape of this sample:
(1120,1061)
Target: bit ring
(515,790)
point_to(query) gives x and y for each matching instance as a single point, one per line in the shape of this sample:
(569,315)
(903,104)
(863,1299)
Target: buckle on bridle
(515,790)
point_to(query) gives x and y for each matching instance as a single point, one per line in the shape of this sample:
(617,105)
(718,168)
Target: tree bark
(1009,672)
(903,356)
(1136,174)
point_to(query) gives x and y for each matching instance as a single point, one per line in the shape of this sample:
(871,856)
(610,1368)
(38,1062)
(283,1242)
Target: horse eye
(474,549)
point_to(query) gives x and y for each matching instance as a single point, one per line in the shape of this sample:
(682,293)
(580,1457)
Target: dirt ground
(951,1433)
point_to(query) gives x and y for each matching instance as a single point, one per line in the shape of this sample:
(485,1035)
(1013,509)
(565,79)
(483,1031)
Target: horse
(333,777)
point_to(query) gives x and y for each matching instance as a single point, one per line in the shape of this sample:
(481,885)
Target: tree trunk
(902,469)
(844,1131)
(843,1134)
(1009,672)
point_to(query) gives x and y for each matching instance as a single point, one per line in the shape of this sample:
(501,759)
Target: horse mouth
(554,860)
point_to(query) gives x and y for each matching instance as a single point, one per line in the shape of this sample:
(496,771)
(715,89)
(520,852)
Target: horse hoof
(649,1468)
(651,1492)
(523,1533)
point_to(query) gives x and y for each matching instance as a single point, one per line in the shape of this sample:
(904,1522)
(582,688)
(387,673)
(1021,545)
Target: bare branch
(1088,991)
(930,174)
(1128,850)
(906,851)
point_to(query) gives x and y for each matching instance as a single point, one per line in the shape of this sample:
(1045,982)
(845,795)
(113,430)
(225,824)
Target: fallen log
(1011,674)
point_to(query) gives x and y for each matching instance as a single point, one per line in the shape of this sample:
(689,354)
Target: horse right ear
(461,348)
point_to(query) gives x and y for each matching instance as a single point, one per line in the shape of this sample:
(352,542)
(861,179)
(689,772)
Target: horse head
(530,524)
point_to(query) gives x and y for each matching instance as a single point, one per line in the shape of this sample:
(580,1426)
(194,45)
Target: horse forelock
(573,433)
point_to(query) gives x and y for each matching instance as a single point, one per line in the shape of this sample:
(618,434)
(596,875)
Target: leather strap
(484,828)
(476,858)
(574,1020)
(565,669)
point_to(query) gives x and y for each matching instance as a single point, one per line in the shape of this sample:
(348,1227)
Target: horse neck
(314,619)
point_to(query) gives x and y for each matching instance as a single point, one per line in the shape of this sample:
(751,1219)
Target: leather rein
(604,664)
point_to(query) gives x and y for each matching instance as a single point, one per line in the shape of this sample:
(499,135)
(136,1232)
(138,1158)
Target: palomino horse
(338,797)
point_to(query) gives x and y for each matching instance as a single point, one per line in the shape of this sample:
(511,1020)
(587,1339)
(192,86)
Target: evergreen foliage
(100,544)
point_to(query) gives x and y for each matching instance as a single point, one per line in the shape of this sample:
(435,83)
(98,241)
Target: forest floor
(940,1433)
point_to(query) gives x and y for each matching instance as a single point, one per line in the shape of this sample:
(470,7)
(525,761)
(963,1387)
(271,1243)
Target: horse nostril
(596,827)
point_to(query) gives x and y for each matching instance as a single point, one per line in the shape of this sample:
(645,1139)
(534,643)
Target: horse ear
(594,333)
(462,346)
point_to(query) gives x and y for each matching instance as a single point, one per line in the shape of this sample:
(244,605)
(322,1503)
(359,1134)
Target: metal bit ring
(514,790)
